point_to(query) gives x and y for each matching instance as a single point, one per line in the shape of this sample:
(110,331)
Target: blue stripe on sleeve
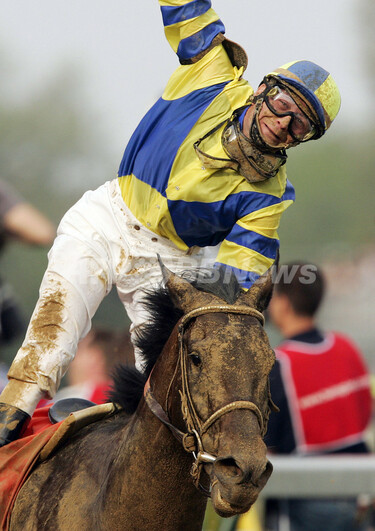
(252,240)
(203,224)
(174,14)
(245,278)
(249,202)
(200,41)
(289,194)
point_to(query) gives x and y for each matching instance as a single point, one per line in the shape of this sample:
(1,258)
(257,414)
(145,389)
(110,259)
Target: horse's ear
(260,293)
(183,294)
(166,273)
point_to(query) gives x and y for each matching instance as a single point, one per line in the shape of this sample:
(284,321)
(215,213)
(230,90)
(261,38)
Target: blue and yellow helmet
(315,86)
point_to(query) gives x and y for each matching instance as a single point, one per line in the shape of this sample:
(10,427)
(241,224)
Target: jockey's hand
(12,421)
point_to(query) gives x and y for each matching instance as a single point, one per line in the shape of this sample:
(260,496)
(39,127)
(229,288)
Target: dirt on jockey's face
(274,129)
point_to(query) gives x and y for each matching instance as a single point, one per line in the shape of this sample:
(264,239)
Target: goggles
(281,103)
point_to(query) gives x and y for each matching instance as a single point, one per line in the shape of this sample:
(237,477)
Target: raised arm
(191,27)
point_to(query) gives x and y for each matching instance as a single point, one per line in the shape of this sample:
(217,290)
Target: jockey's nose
(283,121)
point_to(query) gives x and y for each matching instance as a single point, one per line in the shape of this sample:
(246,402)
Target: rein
(192,439)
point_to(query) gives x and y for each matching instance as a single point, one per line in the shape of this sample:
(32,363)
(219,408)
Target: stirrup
(64,407)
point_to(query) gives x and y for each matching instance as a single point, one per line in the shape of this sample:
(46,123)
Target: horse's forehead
(229,325)
(232,341)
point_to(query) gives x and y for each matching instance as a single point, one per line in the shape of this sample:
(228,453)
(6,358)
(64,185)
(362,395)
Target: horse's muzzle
(236,486)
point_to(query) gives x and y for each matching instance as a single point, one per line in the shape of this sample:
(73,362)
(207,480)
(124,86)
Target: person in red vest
(321,384)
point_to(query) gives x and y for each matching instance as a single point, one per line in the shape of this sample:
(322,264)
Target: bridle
(191,440)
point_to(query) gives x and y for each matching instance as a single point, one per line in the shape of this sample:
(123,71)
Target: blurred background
(76,78)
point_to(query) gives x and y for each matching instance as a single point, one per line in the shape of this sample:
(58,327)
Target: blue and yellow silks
(161,178)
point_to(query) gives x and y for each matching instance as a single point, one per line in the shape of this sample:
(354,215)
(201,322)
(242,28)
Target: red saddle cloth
(18,458)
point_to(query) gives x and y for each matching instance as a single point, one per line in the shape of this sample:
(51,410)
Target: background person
(205,166)
(19,220)
(90,373)
(12,324)
(322,386)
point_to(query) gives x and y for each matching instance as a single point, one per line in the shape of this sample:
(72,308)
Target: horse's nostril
(227,468)
(268,470)
(265,475)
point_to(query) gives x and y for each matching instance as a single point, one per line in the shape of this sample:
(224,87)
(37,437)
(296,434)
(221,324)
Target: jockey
(205,168)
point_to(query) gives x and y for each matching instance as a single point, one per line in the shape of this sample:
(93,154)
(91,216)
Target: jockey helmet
(315,86)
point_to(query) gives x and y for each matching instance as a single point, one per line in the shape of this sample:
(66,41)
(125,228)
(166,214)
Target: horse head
(216,389)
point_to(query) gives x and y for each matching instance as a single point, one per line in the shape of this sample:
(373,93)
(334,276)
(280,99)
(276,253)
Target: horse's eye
(195,359)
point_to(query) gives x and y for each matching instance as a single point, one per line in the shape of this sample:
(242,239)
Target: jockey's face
(275,129)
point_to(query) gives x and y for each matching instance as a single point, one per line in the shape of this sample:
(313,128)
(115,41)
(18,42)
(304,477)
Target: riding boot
(12,421)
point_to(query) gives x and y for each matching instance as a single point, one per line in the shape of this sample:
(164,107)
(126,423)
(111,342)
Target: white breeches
(99,244)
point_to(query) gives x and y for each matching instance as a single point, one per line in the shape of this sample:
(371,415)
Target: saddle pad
(39,441)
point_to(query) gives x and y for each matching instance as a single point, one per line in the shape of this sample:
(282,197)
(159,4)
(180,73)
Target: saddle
(47,431)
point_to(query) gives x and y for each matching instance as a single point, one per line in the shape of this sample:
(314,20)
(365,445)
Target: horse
(190,426)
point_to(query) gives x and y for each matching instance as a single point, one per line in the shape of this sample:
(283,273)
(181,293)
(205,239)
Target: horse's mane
(164,315)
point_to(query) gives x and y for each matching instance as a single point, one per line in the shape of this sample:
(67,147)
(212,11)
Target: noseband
(192,439)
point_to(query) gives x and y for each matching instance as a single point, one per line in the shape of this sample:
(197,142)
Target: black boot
(12,420)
